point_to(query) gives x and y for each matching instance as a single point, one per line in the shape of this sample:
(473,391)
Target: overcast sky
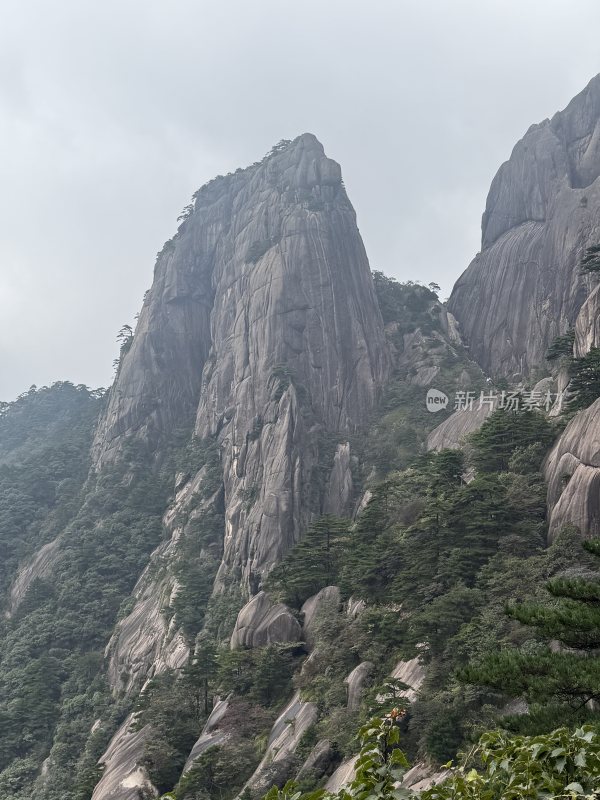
(113,112)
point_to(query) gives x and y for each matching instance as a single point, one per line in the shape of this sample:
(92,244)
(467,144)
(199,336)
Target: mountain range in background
(217,565)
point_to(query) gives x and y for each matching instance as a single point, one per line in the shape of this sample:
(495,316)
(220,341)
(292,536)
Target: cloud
(113,113)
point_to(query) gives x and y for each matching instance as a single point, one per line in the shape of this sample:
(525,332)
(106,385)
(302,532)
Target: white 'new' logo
(436,400)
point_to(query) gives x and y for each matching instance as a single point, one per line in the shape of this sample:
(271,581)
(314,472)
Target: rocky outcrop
(262,622)
(211,735)
(148,641)
(342,776)
(423,776)
(319,761)
(543,210)
(39,566)
(340,486)
(572,471)
(278,760)
(123,778)
(412,674)
(144,644)
(326,601)
(452,432)
(355,683)
(587,326)
(262,323)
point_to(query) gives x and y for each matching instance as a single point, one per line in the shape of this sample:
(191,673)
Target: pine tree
(199,673)
(584,387)
(560,678)
(505,431)
(312,564)
(591,260)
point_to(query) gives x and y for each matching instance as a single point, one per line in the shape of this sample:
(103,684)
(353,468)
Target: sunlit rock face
(543,210)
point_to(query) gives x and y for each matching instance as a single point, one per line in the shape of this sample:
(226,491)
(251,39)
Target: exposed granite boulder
(411,673)
(452,432)
(342,776)
(420,355)
(38,566)
(147,642)
(327,600)
(211,735)
(277,763)
(423,776)
(144,644)
(123,778)
(319,761)
(355,607)
(572,471)
(542,211)
(356,681)
(262,622)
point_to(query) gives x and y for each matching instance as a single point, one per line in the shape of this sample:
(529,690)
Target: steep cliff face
(543,210)
(262,323)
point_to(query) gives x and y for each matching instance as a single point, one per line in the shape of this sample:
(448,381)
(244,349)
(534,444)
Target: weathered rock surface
(289,728)
(211,735)
(145,643)
(572,471)
(123,778)
(355,682)
(543,210)
(412,673)
(262,622)
(420,354)
(39,566)
(326,601)
(422,776)
(342,776)
(452,432)
(339,492)
(587,325)
(262,322)
(318,762)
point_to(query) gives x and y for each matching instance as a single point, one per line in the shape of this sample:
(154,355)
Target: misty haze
(300,401)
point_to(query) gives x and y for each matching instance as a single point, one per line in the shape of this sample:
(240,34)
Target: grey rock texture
(262,323)
(342,776)
(452,432)
(262,622)
(420,355)
(123,778)
(38,566)
(412,673)
(339,492)
(211,735)
(423,776)
(587,325)
(543,210)
(326,601)
(572,471)
(145,644)
(318,762)
(289,728)
(356,681)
